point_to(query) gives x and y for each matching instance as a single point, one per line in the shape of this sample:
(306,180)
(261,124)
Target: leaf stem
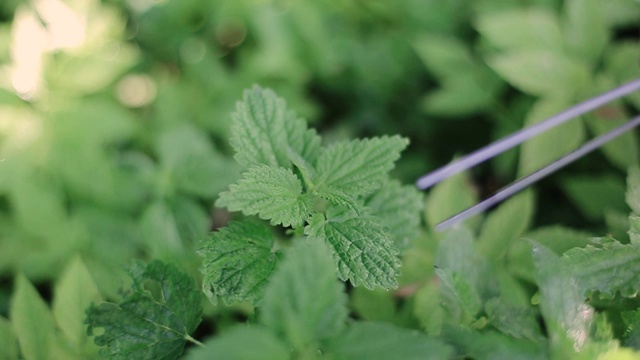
(189,338)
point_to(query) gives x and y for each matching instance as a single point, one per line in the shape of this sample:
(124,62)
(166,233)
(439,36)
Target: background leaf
(232,345)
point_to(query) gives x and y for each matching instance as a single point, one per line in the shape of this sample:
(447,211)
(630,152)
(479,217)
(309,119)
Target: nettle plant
(332,210)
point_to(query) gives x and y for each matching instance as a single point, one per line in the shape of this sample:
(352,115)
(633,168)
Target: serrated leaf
(304,303)
(567,317)
(32,321)
(362,250)
(610,268)
(522,28)
(505,225)
(8,340)
(264,131)
(338,197)
(233,345)
(238,261)
(586,32)
(552,144)
(398,208)
(461,296)
(541,72)
(73,293)
(155,317)
(359,167)
(273,194)
(372,341)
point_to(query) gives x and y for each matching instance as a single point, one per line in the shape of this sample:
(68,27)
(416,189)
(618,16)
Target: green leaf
(398,208)
(32,321)
(505,225)
(304,303)
(519,322)
(607,268)
(552,144)
(623,151)
(428,308)
(8,340)
(73,293)
(242,343)
(154,318)
(264,131)
(373,305)
(443,55)
(541,72)
(633,189)
(372,341)
(362,250)
(491,345)
(448,198)
(522,29)
(238,261)
(586,32)
(359,167)
(595,195)
(567,317)
(632,333)
(273,194)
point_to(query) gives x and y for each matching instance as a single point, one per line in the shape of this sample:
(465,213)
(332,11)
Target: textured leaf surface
(264,131)
(272,193)
(32,321)
(363,251)
(372,341)
(358,167)
(154,318)
(609,268)
(566,316)
(304,303)
(398,208)
(517,321)
(242,343)
(238,260)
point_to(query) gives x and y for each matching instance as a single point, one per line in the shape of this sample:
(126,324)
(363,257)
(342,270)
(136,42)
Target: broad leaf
(362,250)
(632,333)
(73,293)
(607,268)
(154,318)
(633,189)
(32,321)
(304,303)
(373,341)
(398,208)
(8,340)
(273,194)
(264,131)
(594,195)
(519,322)
(516,29)
(359,167)
(242,343)
(448,198)
(238,260)
(586,32)
(567,317)
(491,345)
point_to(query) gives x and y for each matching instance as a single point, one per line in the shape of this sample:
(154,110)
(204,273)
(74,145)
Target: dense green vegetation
(234,179)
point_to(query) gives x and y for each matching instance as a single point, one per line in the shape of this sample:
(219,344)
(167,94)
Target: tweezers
(519,137)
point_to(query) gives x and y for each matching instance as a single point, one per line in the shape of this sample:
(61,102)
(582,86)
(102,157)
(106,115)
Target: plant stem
(189,338)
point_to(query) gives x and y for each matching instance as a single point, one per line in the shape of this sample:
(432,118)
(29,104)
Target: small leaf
(522,28)
(8,340)
(233,345)
(443,55)
(398,208)
(633,189)
(540,72)
(505,225)
(594,195)
(32,321)
(632,333)
(73,293)
(586,32)
(517,321)
(238,260)
(623,151)
(552,144)
(359,167)
(264,131)
(373,341)
(304,303)
(609,268)
(361,248)
(448,198)
(566,316)
(273,193)
(154,318)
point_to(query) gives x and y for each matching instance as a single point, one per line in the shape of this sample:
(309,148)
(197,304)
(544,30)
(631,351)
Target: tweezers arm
(519,137)
(539,174)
